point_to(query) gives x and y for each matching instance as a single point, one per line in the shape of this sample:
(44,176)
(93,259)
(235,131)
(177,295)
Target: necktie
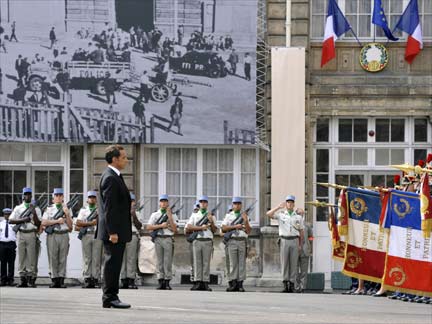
(7,229)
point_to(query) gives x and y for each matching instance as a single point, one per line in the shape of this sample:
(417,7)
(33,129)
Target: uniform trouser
(237,259)
(289,254)
(58,248)
(164,247)
(303,264)
(202,251)
(7,260)
(192,275)
(227,262)
(28,252)
(92,256)
(130,258)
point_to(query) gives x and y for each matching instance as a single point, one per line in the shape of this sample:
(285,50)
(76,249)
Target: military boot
(54,283)
(132,284)
(32,282)
(125,283)
(167,284)
(61,282)
(196,285)
(290,287)
(285,290)
(240,286)
(23,283)
(232,286)
(86,283)
(161,284)
(206,286)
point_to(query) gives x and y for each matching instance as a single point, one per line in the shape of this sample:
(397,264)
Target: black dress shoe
(380,295)
(115,304)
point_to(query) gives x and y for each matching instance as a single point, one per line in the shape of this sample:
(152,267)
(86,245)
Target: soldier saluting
(203,223)
(57,222)
(164,223)
(236,228)
(291,240)
(91,247)
(27,238)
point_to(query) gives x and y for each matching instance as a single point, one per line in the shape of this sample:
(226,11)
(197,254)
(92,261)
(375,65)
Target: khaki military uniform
(57,245)
(92,249)
(28,243)
(290,225)
(202,248)
(164,246)
(304,256)
(236,248)
(130,256)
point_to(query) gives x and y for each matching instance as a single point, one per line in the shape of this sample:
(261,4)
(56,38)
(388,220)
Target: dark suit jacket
(114,208)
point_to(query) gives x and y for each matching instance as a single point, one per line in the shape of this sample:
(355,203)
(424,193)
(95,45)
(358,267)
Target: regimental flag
(338,246)
(426,206)
(342,213)
(336,25)
(379,19)
(367,242)
(409,258)
(385,201)
(409,22)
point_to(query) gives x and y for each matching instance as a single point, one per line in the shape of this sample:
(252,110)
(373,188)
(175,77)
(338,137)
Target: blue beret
(91,194)
(58,191)
(132,196)
(163,197)
(290,197)
(7,210)
(236,200)
(27,190)
(203,198)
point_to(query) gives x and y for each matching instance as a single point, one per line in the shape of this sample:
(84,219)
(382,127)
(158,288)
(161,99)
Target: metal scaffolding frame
(262,62)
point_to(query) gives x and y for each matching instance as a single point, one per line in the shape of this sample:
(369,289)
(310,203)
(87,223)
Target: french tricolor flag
(409,22)
(336,25)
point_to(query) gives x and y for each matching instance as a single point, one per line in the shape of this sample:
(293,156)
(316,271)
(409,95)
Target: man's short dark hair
(112,151)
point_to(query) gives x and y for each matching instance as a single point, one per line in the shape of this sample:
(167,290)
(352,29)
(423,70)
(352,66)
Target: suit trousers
(112,267)
(92,256)
(7,260)
(289,255)
(27,254)
(202,251)
(130,258)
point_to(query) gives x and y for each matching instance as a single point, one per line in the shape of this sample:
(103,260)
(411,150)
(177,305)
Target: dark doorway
(134,13)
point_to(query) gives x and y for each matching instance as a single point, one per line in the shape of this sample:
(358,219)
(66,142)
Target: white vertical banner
(288,135)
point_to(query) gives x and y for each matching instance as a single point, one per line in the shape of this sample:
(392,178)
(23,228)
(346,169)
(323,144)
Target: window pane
(398,130)
(420,154)
(248,162)
(351,6)
(6,181)
(382,130)
(151,183)
(322,130)
(20,180)
(342,179)
(345,157)
(41,181)
(210,160)
(189,181)
(322,191)
(151,159)
(382,157)
(364,26)
(345,130)
(248,185)
(397,156)
(360,130)
(322,160)
(12,152)
(76,181)
(420,130)
(77,156)
(226,184)
(56,180)
(378,180)
(356,180)
(173,159)
(6,201)
(210,184)
(360,156)
(48,153)
(173,183)
(322,213)
(226,160)
(189,162)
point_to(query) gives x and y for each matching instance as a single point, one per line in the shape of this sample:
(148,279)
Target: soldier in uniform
(7,250)
(27,239)
(58,241)
(202,245)
(304,255)
(164,242)
(195,209)
(236,246)
(291,240)
(130,256)
(91,248)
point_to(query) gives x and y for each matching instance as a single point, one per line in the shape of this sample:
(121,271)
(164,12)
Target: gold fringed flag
(342,213)
(338,246)
(426,207)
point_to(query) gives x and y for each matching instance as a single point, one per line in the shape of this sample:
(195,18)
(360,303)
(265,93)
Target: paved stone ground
(76,305)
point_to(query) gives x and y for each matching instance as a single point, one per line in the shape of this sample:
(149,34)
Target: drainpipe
(288,24)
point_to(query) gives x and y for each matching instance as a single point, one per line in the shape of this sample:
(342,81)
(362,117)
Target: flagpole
(355,35)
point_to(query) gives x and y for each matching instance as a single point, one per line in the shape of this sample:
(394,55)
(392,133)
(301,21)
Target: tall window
(150,201)
(11,184)
(248,179)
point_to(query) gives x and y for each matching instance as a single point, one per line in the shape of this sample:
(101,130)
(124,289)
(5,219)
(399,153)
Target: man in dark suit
(114,226)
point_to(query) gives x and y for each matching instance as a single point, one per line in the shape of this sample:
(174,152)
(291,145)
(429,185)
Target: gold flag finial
(318,203)
(331,185)
(407,168)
